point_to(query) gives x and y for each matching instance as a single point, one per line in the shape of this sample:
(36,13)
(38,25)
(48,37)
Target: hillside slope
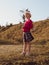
(14,33)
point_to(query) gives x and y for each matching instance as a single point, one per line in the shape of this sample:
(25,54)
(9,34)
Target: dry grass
(11,54)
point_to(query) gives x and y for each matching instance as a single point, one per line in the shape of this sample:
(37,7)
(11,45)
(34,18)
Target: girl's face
(27,15)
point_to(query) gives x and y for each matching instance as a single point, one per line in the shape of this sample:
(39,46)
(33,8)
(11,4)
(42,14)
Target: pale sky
(9,10)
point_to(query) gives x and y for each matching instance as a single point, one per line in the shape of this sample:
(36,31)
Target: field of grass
(11,55)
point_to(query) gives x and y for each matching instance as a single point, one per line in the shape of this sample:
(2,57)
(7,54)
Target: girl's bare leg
(28,48)
(24,47)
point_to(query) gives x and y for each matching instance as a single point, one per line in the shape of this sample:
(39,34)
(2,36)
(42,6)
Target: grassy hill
(14,32)
(11,45)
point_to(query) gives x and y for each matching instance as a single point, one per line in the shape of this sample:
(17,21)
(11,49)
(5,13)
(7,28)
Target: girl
(27,37)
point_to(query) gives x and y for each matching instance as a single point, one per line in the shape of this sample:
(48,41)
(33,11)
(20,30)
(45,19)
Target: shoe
(27,54)
(23,54)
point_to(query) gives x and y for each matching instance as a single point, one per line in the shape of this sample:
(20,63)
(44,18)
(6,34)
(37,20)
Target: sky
(10,10)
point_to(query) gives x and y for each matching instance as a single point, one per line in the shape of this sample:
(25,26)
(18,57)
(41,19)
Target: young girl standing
(27,37)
